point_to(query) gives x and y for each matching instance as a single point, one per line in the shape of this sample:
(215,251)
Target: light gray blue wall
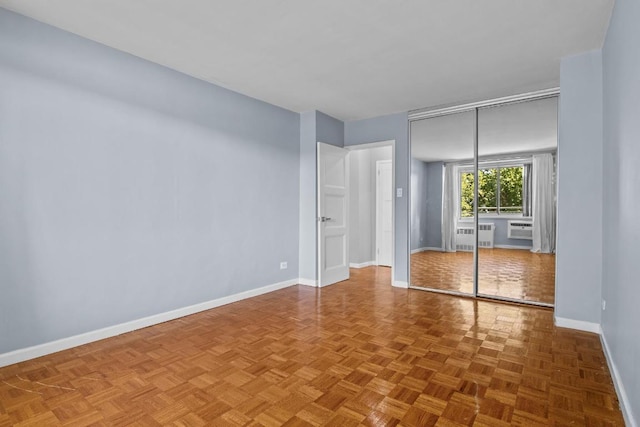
(314,127)
(579,242)
(329,130)
(359,238)
(426,204)
(433,232)
(621,269)
(384,128)
(307,249)
(418,202)
(128,189)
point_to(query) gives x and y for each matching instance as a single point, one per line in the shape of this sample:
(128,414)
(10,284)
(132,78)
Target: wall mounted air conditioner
(520,230)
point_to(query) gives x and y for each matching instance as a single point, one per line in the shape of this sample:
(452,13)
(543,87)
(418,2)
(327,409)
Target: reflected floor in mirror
(510,273)
(359,352)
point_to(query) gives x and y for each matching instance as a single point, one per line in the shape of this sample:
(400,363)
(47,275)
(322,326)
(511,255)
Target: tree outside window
(499,191)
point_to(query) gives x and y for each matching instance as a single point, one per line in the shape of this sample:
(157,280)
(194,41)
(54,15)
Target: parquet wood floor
(517,274)
(356,353)
(449,271)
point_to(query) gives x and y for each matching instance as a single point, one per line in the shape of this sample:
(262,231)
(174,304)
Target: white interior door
(384,213)
(333,219)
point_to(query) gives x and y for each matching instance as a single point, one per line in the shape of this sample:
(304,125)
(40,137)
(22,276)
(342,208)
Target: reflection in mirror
(442,246)
(517,145)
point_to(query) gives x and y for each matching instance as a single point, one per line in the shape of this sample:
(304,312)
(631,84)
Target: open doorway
(371,179)
(366,175)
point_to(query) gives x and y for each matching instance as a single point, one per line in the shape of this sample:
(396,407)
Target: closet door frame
(475,107)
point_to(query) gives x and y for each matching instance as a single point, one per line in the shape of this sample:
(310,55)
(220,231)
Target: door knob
(325,219)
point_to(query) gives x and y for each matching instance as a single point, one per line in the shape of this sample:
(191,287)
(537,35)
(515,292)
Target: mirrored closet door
(483,200)
(442,239)
(517,146)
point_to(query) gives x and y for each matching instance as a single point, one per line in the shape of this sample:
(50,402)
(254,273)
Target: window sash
(497,210)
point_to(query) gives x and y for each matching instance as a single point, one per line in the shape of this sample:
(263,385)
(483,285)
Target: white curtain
(450,197)
(527,189)
(544,221)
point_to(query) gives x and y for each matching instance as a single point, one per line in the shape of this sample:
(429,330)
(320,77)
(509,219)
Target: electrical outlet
(604,304)
(283,265)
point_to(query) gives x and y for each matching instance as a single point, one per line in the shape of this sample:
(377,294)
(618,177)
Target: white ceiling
(350,59)
(513,128)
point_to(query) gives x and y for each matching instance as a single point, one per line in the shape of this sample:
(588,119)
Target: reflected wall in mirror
(441,246)
(517,145)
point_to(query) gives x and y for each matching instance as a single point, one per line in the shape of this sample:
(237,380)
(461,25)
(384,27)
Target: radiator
(465,239)
(520,230)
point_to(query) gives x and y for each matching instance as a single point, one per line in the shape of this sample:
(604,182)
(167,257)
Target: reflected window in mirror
(503,190)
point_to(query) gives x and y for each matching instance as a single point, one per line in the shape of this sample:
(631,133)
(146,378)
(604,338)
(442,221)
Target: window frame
(496,164)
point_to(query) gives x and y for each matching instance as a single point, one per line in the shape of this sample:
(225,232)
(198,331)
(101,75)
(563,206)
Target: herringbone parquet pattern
(517,274)
(356,353)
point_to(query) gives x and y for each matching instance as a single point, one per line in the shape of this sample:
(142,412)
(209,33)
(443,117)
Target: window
(500,191)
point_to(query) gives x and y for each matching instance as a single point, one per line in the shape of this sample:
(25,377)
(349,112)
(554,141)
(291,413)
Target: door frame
(378,204)
(475,107)
(386,143)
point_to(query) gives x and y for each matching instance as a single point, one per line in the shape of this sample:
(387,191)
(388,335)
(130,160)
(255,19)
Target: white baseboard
(426,248)
(623,398)
(362,264)
(578,324)
(525,248)
(23,354)
(400,284)
(307,282)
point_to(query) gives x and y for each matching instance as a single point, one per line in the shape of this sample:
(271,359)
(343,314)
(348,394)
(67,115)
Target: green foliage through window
(507,182)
